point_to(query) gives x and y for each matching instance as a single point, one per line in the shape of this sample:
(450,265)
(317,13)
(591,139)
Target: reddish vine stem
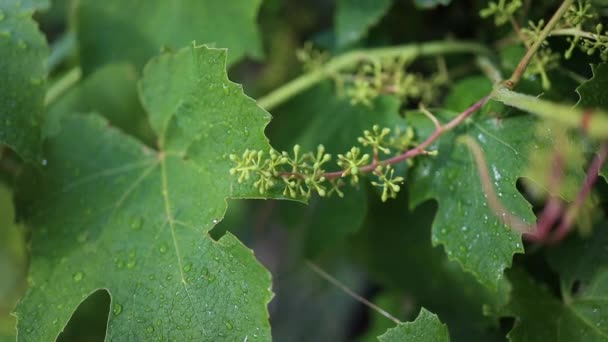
(421,148)
(554,207)
(572,212)
(494,203)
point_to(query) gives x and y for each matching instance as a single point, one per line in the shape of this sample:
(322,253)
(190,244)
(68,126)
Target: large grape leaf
(426,327)
(471,233)
(465,225)
(117,215)
(163,24)
(23,52)
(582,313)
(355,17)
(320,116)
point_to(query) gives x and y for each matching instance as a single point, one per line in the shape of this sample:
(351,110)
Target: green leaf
(465,225)
(320,116)
(23,53)
(117,215)
(426,327)
(160,24)
(431,3)
(110,91)
(540,316)
(355,17)
(469,230)
(594,92)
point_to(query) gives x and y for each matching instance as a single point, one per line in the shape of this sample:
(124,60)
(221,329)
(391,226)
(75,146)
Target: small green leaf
(114,214)
(465,225)
(161,24)
(23,53)
(355,17)
(426,328)
(594,92)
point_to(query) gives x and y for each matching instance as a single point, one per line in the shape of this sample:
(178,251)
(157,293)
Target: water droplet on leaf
(78,276)
(137,223)
(117,309)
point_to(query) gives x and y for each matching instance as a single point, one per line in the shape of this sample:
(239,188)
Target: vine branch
(410,51)
(418,150)
(531,52)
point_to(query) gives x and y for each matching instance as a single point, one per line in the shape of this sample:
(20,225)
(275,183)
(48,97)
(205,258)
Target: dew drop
(229,325)
(150,329)
(44,162)
(464,228)
(137,223)
(117,309)
(78,276)
(188,267)
(163,248)
(215,221)
(131,264)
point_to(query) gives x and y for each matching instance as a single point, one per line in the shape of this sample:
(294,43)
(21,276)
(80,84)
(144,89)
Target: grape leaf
(159,24)
(465,225)
(320,116)
(355,17)
(117,215)
(594,92)
(426,327)
(23,53)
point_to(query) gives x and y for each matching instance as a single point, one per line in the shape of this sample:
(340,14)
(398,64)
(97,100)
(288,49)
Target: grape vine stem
(523,63)
(336,64)
(421,148)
